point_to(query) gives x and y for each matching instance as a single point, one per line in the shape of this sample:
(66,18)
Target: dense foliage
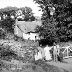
(8,24)
(56,27)
(26,11)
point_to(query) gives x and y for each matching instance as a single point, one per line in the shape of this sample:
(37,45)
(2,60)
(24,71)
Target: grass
(29,67)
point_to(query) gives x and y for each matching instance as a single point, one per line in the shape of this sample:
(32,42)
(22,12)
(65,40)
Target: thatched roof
(28,26)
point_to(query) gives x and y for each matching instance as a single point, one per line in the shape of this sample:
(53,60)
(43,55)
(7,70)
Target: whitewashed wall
(30,36)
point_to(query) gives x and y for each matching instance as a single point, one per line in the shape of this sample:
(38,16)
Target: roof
(28,26)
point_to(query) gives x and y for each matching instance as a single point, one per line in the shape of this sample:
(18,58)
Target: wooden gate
(67,52)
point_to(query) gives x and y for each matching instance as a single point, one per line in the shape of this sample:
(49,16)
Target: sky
(21,3)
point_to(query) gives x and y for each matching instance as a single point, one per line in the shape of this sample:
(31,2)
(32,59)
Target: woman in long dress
(38,55)
(47,53)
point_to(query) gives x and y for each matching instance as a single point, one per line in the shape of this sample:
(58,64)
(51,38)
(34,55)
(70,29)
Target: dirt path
(65,66)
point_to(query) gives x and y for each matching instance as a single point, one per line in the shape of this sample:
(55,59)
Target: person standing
(47,53)
(55,52)
(41,50)
(58,49)
(38,54)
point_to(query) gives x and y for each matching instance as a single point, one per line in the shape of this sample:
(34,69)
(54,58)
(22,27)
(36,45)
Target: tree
(8,22)
(64,19)
(8,10)
(56,27)
(27,11)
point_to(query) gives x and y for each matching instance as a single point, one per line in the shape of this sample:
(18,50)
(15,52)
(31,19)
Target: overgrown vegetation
(6,53)
(26,13)
(8,25)
(2,33)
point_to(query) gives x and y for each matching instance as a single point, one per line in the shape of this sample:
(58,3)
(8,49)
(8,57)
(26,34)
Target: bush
(8,24)
(6,53)
(2,33)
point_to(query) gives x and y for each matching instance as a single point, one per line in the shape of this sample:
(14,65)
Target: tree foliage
(56,27)
(8,24)
(27,11)
(64,19)
(8,10)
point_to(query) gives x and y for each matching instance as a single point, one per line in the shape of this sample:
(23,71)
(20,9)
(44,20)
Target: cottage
(26,29)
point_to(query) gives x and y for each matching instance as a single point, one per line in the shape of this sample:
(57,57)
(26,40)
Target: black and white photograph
(35,35)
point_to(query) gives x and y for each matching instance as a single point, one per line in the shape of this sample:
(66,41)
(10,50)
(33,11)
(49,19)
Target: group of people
(43,53)
(47,53)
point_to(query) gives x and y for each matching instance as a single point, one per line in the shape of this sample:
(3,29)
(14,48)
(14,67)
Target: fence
(67,52)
